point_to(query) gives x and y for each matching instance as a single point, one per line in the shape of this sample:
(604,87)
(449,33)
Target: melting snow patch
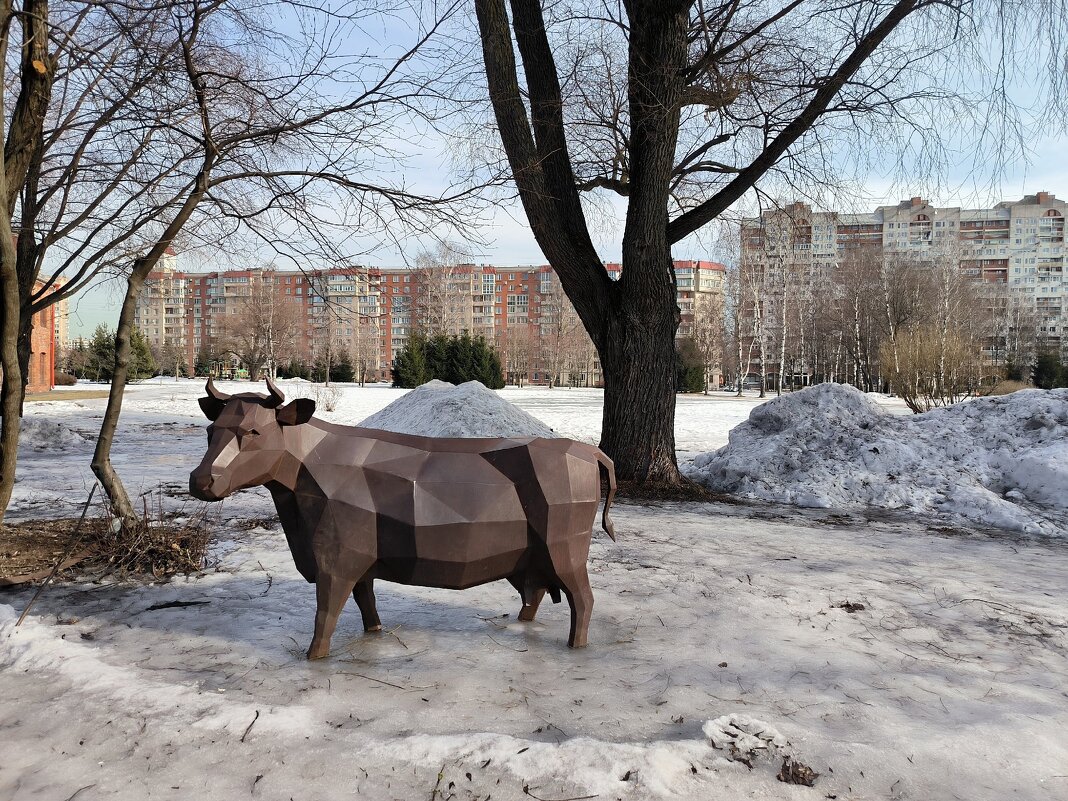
(45,435)
(999,461)
(440,409)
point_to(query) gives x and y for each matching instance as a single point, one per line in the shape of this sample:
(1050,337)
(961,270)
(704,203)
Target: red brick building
(42,351)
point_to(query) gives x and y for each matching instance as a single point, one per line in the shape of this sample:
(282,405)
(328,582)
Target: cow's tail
(608,467)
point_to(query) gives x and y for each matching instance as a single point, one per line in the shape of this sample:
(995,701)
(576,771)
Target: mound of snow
(440,409)
(45,435)
(997,461)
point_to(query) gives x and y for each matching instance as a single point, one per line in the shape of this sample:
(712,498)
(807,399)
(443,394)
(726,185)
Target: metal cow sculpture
(359,504)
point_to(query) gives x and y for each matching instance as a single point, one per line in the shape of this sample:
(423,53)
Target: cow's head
(246,439)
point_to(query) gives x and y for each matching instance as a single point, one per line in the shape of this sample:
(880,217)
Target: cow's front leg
(365,599)
(331,592)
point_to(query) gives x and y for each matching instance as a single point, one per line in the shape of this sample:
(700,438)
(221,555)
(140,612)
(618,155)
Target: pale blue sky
(509,241)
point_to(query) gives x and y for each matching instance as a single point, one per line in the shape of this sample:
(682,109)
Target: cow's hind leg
(331,592)
(365,599)
(580,596)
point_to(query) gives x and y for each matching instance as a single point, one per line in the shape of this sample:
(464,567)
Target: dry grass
(1008,387)
(158,547)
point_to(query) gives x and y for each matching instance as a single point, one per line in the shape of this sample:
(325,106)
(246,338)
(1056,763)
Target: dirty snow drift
(994,461)
(441,409)
(47,435)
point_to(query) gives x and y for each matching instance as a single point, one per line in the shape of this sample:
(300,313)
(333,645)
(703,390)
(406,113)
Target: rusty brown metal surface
(359,504)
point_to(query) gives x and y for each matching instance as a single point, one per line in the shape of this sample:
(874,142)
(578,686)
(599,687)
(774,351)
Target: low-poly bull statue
(359,504)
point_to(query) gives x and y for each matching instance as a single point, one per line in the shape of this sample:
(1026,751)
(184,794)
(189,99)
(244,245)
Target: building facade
(1015,246)
(369,314)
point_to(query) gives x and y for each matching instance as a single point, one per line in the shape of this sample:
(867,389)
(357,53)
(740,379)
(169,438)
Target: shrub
(61,379)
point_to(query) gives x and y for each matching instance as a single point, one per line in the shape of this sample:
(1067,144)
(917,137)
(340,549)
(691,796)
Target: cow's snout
(202,485)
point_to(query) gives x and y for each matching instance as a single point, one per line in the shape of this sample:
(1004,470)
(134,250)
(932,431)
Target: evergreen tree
(410,366)
(1048,372)
(456,359)
(487,364)
(689,367)
(1015,372)
(202,365)
(342,370)
(294,369)
(142,364)
(101,354)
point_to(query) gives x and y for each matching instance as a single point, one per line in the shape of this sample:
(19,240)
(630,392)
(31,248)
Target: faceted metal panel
(359,504)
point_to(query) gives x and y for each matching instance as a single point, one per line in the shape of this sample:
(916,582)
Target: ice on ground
(440,409)
(999,461)
(951,677)
(39,434)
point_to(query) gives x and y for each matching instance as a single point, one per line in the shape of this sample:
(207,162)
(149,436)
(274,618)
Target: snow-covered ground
(722,634)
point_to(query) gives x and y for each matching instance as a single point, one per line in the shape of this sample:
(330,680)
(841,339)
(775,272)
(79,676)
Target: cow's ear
(212,407)
(296,412)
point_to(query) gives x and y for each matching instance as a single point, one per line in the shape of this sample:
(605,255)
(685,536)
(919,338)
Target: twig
(72,795)
(393,633)
(253,723)
(526,791)
(372,678)
(437,784)
(70,549)
(510,648)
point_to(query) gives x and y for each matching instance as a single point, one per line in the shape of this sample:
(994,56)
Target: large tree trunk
(632,322)
(11,385)
(638,362)
(638,347)
(21,142)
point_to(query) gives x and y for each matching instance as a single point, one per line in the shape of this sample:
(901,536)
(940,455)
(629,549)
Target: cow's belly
(451,555)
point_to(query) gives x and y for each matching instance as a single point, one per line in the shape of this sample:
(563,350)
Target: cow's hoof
(374,628)
(577,642)
(318,653)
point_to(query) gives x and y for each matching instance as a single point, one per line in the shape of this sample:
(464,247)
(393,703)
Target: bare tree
(269,146)
(518,348)
(707,332)
(443,291)
(558,327)
(261,327)
(366,350)
(682,108)
(21,135)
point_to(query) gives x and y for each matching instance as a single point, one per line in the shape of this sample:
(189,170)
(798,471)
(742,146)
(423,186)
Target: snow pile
(46,435)
(440,409)
(997,461)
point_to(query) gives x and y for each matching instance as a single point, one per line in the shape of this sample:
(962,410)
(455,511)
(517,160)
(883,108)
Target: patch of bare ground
(69,395)
(651,492)
(153,550)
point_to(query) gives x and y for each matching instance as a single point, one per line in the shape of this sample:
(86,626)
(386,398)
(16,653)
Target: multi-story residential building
(369,313)
(1018,245)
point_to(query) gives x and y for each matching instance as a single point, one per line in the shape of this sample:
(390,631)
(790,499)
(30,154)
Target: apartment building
(370,313)
(1017,244)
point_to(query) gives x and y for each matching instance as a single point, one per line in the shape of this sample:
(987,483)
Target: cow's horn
(214,393)
(274,394)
